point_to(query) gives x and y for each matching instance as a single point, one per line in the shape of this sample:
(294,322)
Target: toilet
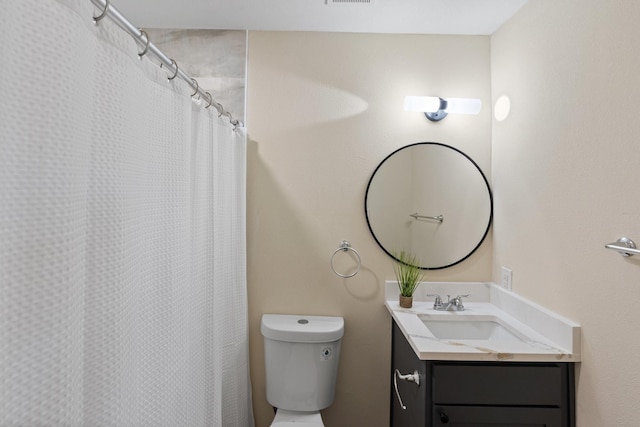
(301,356)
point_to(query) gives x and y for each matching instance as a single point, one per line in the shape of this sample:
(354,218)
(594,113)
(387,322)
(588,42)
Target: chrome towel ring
(345,246)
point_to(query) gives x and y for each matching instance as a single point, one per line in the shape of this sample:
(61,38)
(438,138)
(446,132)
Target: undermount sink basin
(469,329)
(497,325)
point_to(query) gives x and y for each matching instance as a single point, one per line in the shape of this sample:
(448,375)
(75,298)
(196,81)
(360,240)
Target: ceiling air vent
(349,2)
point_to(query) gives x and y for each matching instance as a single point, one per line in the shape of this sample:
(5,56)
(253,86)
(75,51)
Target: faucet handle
(457,301)
(435,295)
(437,302)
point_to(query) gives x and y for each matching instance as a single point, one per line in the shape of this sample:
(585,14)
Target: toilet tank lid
(302,328)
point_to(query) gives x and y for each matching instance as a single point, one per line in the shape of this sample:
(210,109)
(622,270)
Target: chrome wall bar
(438,218)
(105,7)
(625,246)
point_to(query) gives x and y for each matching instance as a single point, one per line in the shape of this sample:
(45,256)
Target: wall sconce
(437,109)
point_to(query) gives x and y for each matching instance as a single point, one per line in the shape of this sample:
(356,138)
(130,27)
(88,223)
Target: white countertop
(546,336)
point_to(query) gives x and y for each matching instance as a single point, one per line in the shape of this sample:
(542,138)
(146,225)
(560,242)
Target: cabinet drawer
(488,416)
(497,384)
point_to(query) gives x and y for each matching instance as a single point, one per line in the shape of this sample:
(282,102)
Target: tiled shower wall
(215,58)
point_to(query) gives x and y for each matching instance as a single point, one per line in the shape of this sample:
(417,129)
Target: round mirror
(430,200)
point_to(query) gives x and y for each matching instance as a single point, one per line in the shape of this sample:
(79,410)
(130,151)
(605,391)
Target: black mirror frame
(366,196)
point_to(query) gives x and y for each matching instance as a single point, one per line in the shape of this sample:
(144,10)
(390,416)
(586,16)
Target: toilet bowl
(301,364)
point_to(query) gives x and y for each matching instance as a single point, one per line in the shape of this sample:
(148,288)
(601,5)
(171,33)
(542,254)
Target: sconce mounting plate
(436,116)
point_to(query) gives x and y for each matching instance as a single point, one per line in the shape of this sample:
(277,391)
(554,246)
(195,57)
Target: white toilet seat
(285,418)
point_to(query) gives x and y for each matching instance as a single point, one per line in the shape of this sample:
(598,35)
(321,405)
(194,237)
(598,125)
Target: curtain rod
(141,38)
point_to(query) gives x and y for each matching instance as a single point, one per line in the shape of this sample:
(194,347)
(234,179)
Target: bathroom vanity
(519,373)
(484,394)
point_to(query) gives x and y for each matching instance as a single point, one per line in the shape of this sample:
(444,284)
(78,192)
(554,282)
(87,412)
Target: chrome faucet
(454,304)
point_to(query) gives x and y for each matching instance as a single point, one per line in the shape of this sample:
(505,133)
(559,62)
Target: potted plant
(408,276)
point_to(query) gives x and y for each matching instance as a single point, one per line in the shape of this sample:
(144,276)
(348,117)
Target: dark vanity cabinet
(479,394)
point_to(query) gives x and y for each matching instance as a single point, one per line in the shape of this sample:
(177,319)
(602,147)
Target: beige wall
(566,169)
(323,111)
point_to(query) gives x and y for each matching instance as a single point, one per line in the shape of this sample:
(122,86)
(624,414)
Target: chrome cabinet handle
(415,378)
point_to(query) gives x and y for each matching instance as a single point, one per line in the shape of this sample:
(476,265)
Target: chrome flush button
(326,353)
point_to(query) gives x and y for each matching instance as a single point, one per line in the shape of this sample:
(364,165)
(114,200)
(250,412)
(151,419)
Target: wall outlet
(507,278)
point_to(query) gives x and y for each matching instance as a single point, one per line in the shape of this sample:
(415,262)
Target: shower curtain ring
(197,87)
(175,64)
(100,17)
(210,100)
(146,46)
(220,109)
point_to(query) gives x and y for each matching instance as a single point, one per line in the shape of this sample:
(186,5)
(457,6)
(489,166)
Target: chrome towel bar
(625,246)
(439,218)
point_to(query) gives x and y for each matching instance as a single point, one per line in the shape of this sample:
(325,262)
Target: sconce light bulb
(422,103)
(463,105)
(436,108)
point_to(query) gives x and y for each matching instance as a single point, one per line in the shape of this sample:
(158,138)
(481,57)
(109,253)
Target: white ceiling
(381,16)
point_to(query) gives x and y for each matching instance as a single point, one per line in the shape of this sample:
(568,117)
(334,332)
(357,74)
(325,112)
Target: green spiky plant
(408,274)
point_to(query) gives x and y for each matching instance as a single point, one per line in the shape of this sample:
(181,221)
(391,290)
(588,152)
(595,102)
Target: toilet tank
(301,360)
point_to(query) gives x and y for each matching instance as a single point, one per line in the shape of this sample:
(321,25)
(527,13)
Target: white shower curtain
(122,234)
